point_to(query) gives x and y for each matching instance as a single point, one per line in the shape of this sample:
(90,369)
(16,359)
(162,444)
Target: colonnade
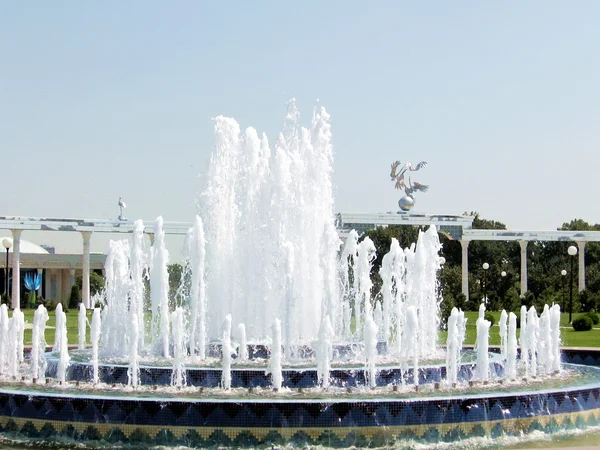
(523,278)
(16,268)
(86,238)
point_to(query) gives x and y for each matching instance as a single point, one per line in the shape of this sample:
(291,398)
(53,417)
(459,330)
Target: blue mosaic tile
(455,413)
(91,414)
(497,412)
(565,404)
(551,405)
(383,416)
(409,415)
(29,409)
(67,413)
(477,413)
(579,402)
(47,409)
(115,414)
(327,417)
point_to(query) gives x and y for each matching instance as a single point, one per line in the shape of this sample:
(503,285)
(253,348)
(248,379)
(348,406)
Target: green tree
(75,297)
(96,283)
(545,261)
(382,239)
(500,255)
(179,284)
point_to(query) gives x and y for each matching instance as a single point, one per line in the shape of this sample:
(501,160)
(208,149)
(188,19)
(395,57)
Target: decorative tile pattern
(344,436)
(335,423)
(584,357)
(433,419)
(247,378)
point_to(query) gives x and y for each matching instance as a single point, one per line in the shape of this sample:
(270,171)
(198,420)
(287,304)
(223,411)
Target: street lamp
(572,250)
(563,275)
(485,266)
(7,244)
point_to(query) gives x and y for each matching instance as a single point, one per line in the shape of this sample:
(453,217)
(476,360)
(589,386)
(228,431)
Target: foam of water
(38,344)
(81,326)
(264,250)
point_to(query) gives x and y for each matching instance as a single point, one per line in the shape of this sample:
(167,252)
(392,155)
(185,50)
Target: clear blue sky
(101,99)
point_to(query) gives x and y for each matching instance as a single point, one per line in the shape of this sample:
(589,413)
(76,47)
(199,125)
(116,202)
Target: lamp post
(572,250)
(7,244)
(563,274)
(503,287)
(485,266)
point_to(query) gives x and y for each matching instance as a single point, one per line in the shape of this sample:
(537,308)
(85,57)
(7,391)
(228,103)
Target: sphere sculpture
(407,202)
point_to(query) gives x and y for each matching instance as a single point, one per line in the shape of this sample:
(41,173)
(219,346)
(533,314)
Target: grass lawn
(570,338)
(72,327)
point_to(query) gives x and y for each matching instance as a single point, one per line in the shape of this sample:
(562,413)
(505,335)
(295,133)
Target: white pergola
(460,228)
(85,227)
(455,226)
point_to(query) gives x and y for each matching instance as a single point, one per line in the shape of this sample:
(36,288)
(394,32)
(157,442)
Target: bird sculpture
(399,178)
(398,174)
(122,206)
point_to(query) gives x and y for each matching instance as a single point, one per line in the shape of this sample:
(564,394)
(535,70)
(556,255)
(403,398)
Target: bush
(594,317)
(460,301)
(75,297)
(96,283)
(446,308)
(48,303)
(587,301)
(529,299)
(582,323)
(490,317)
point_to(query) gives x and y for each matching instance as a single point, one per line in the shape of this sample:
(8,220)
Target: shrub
(489,316)
(75,297)
(529,299)
(582,323)
(49,304)
(460,301)
(446,308)
(594,317)
(586,300)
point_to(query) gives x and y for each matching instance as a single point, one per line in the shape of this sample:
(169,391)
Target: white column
(465,267)
(523,245)
(16,269)
(581,245)
(85,276)
(59,288)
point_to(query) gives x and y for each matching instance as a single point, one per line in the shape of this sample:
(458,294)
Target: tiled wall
(250,421)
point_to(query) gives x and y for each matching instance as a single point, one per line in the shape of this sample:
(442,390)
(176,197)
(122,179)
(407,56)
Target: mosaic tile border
(334,423)
(373,436)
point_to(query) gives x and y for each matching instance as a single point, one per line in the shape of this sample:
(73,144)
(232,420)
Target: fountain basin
(331,418)
(257,377)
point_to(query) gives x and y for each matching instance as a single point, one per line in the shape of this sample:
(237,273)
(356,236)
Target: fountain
(315,357)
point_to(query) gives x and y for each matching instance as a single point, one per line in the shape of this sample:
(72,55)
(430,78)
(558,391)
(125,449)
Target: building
(57,271)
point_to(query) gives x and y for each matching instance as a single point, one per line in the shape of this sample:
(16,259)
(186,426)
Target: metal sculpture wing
(398,176)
